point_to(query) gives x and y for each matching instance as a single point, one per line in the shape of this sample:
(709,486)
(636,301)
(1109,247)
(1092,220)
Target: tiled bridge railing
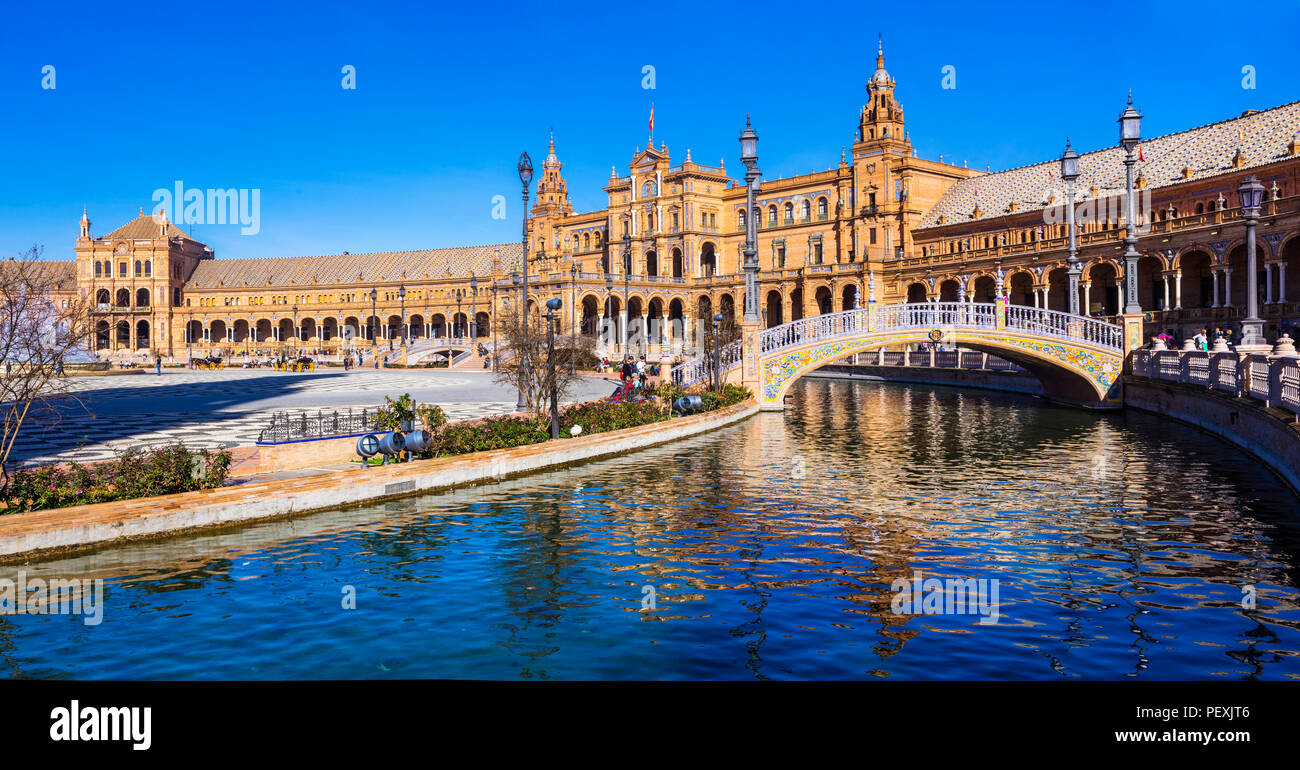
(1273,380)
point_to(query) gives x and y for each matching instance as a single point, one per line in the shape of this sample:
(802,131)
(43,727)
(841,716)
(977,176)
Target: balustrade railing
(1271,379)
(700,369)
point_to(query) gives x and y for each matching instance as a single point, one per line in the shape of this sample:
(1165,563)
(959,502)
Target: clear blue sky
(219,95)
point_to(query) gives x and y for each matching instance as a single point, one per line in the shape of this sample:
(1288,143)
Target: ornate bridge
(1078,359)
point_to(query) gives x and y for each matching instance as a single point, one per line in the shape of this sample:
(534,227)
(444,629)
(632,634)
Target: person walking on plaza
(158,364)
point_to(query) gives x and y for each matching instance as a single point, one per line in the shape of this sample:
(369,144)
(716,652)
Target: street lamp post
(297,335)
(573,317)
(495,309)
(609,301)
(1130,134)
(717,352)
(552,305)
(401,294)
(473,307)
(1251,193)
(749,156)
(525,169)
(1070,173)
(627,269)
(374,298)
(459,294)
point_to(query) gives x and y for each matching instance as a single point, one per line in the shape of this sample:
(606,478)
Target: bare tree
(525,348)
(42,326)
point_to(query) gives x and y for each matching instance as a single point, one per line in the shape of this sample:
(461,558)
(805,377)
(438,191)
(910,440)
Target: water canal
(1123,547)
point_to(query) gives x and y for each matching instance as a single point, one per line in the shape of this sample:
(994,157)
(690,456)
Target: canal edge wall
(1269,435)
(57,531)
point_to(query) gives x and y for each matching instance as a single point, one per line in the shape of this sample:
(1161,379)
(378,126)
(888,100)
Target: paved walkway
(228,408)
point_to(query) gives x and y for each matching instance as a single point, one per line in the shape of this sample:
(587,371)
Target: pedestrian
(1202,343)
(628,372)
(158,364)
(641,371)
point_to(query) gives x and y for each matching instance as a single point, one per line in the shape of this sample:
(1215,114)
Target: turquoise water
(1122,545)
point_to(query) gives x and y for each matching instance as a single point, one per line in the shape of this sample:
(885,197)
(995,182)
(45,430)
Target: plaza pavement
(229,407)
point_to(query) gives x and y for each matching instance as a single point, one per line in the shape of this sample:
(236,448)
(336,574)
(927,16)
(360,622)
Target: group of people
(633,372)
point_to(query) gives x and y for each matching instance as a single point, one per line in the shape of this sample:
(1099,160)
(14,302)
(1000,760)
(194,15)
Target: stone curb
(23,535)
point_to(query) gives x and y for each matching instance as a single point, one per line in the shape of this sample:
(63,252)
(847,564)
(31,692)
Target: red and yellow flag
(652,116)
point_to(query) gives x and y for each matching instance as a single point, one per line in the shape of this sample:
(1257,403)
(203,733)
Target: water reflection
(1123,546)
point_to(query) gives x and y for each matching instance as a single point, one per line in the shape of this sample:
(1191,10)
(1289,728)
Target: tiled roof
(384,267)
(63,272)
(144,227)
(1206,151)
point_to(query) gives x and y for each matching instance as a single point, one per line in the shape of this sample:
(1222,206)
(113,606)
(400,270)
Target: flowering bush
(134,474)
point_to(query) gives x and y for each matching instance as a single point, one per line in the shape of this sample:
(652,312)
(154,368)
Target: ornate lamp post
(495,309)
(1130,134)
(473,307)
(627,269)
(573,315)
(374,298)
(749,156)
(1070,173)
(552,305)
(401,294)
(297,335)
(525,169)
(1251,193)
(459,294)
(717,352)
(609,300)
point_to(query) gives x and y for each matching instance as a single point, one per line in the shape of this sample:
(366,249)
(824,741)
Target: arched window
(821,207)
(99,269)
(1211,207)
(598,239)
(139,269)
(740,217)
(789,212)
(148,268)
(121,269)
(807,209)
(586,241)
(771,216)
(1200,208)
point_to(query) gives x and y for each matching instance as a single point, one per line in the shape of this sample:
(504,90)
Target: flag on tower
(652,117)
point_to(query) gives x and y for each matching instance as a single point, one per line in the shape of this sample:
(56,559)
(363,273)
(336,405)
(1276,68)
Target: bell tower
(881,121)
(552,192)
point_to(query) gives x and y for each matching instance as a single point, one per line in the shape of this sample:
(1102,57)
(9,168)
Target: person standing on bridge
(1202,342)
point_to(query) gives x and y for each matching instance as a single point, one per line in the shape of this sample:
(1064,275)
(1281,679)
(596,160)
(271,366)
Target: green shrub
(134,474)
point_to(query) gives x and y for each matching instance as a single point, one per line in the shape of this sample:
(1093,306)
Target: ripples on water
(1122,544)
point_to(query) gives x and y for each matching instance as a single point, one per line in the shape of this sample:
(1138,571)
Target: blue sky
(224,96)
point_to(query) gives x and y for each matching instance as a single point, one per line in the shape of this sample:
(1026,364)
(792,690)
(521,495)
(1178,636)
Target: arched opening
(1103,294)
(459,326)
(677,317)
(727,307)
(708,261)
(1058,289)
(948,291)
(262,330)
(142,298)
(330,329)
(241,331)
(286,329)
(916,293)
(822,296)
(985,289)
(482,324)
(307,328)
(123,334)
(1197,280)
(590,315)
(394,328)
(438,326)
(677,264)
(218,333)
(102,298)
(1021,289)
(1291,253)
(1151,286)
(773,315)
(103,336)
(651,263)
(417,326)
(656,332)
(849,297)
(796,304)
(124,298)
